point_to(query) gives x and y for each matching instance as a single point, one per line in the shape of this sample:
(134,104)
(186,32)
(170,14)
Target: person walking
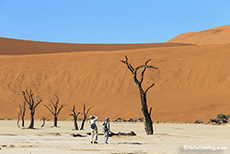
(93,128)
(106,129)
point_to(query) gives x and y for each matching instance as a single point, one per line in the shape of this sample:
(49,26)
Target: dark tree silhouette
(147,113)
(44,121)
(53,108)
(75,117)
(21,114)
(28,96)
(19,118)
(85,113)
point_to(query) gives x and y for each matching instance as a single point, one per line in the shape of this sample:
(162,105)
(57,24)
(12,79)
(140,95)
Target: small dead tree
(28,96)
(147,113)
(75,116)
(19,118)
(85,113)
(21,114)
(53,108)
(44,121)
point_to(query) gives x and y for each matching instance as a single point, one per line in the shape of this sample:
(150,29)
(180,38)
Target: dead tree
(19,118)
(147,113)
(28,96)
(85,113)
(75,117)
(23,111)
(21,114)
(53,108)
(44,121)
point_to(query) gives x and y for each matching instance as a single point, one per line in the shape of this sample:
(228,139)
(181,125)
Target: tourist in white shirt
(94,130)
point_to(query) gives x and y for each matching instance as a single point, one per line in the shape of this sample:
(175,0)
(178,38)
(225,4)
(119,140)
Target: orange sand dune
(192,82)
(22,47)
(218,35)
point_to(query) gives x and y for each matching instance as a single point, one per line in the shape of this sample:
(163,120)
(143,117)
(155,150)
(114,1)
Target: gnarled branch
(130,67)
(38,103)
(150,110)
(89,109)
(50,109)
(146,66)
(138,83)
(143,72)
(24,94)
(53,107)
(149,87)
(61,108)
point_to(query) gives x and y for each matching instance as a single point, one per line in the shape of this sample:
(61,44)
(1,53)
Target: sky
(109,21)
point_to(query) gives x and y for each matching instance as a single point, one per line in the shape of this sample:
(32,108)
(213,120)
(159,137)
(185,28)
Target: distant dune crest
(217,35)
(22,47)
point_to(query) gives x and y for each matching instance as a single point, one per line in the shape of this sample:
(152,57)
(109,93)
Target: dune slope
(217,35)
(192,82)
(22,47)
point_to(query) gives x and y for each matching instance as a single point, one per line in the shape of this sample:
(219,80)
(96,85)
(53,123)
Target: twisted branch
(53,107)
(149,87)
(130,67)
(143,72)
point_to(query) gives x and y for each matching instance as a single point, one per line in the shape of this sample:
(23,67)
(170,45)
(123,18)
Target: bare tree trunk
(31,121)
(147,115)
(75,124)
(19,115)
(23,114)
(55,121)
(85,113)
(83,123)
(23,122)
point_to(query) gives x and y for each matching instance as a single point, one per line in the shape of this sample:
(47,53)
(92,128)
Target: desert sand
(168,138)
(192,82)
(217,35)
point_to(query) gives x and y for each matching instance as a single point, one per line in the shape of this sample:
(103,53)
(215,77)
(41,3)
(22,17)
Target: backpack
(104,126)
(93,126)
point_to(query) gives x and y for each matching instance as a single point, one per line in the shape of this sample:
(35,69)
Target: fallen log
(78,135)
(132,133)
